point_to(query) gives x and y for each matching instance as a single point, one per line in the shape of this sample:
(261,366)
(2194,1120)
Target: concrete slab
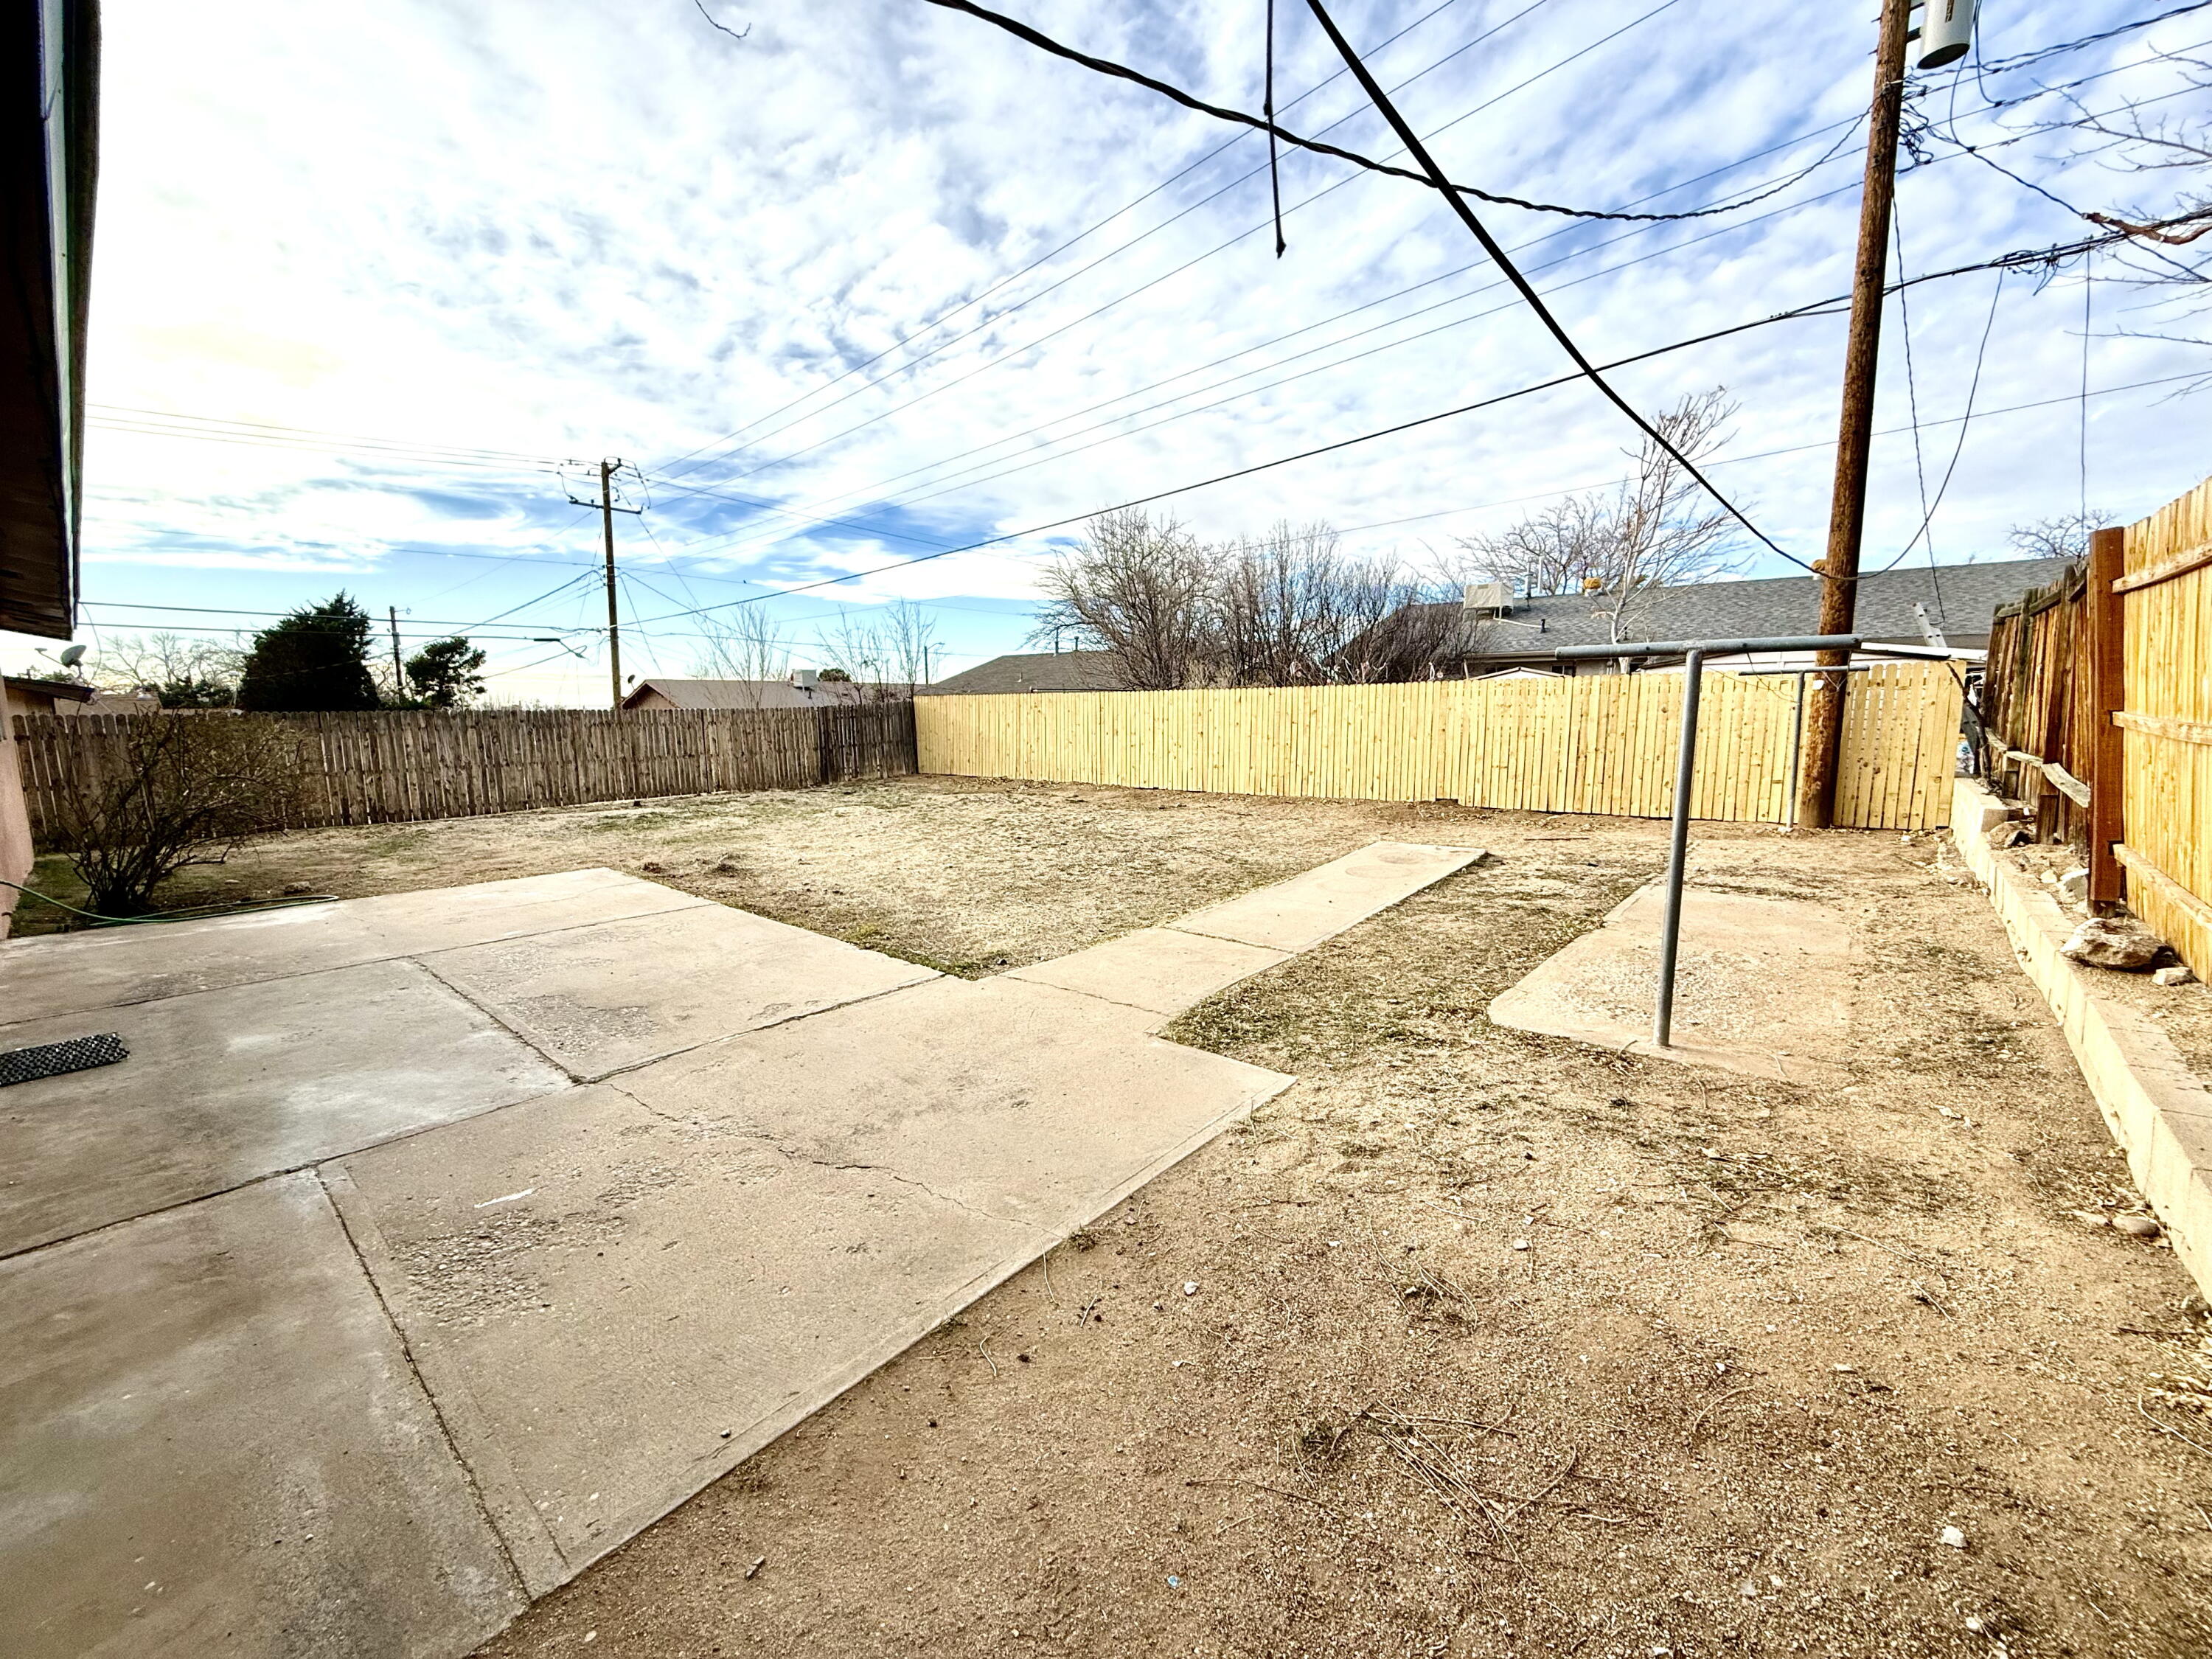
(639,1284)
(1762,985)
(1023,1102)
(1300,914)
(225,1086)
(1163,969)
(110,966)
(600,998)
(632,1305)
(215,1444)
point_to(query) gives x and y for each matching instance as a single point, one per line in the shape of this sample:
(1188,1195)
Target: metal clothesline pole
(1694,654)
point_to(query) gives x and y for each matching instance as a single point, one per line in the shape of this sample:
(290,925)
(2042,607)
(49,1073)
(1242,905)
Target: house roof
(49,121)
(751,694)
(51,691)
(1039,670)
(1961,599)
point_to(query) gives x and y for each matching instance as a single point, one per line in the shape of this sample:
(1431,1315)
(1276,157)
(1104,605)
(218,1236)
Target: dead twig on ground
(982,1346)
(1690,1434)
(2188,1440)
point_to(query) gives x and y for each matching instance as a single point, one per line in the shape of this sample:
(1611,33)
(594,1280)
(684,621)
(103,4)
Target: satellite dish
(71,656)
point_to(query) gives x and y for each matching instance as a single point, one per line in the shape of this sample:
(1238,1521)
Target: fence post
(2107,691)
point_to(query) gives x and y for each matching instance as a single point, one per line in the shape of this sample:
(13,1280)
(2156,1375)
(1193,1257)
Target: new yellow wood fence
(2166,717)
(1594,743)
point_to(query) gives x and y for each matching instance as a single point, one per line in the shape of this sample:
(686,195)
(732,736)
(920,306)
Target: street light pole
(1816,786)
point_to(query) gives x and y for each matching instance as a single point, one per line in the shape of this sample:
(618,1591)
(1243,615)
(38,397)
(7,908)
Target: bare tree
(1394,627)
(175,790)
(2066,537)
(1274,608)
(1140,590)
(1658,529)
(1552,551)
(909,636)
(742,645)
(185,671)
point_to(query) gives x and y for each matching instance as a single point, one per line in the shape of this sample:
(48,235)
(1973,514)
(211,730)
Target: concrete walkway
(428,1247)
(1762,985)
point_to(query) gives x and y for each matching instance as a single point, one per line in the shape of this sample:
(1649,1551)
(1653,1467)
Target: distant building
(1911,608)
(1042,671)
(803,690)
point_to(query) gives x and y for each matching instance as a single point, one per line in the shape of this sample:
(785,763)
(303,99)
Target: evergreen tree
(443,673)
(316,660)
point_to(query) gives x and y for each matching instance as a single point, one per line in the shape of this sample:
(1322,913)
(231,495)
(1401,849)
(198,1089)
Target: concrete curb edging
(2158,1109)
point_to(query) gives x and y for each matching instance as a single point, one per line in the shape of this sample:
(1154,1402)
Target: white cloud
(558,230)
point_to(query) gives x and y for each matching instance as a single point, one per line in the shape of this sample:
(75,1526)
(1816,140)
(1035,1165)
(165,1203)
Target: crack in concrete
(786,1150)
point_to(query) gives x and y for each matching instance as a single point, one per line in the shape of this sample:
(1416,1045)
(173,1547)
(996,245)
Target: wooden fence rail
(400,767)
(1592,743)
(2097,704)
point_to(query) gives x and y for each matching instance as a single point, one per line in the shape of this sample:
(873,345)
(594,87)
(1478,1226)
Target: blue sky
(877,281)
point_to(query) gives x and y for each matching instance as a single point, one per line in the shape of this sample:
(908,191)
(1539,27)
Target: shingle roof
(749,693)
(1960,599)
(1042,671)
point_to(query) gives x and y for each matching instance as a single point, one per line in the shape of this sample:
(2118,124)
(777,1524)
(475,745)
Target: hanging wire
(1912,403)
(1965,424)
(1267,107)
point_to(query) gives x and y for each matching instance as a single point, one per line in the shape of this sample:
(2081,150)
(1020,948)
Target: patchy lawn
(1764,1343)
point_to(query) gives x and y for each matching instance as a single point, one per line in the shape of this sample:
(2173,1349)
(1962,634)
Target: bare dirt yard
(1472,1342)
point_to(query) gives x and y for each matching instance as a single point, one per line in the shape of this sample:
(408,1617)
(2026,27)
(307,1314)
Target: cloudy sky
(876,280)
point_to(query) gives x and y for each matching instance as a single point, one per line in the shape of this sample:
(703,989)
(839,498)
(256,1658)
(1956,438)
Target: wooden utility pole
(607,520)
(1824,729)
(399,674)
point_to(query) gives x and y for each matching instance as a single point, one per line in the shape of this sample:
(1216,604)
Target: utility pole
(399,674)
(1839,588)
(607,521)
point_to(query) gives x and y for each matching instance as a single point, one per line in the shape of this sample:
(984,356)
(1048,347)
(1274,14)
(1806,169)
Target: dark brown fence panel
(2035,708)
(402,767)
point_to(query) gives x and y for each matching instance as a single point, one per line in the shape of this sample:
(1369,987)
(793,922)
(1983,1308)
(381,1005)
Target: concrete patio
(428,1247)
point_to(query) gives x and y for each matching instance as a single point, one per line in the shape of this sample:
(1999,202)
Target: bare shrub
(173,790)
(1140,590)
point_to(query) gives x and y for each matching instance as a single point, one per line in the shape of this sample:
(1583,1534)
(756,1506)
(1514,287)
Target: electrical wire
(1022,32)
(1167,276)
(2021,60)
(1412,141)
(1965,422)
(1047,258)
(1912,409)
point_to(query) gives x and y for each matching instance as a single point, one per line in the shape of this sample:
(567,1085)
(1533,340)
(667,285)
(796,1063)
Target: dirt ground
(1472,1342)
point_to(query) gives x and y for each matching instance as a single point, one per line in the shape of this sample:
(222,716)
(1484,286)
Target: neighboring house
(1910,608)
(1042,671)
(802,691)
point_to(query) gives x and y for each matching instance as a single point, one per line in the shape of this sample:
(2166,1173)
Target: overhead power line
(2021,60)
(2020,259)
(1414,148)
(1022,32)
(1091,229)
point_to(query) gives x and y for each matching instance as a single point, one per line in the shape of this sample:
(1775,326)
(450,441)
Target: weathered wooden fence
(1593,743)
(2033,713)
(398,766)
(2099,707)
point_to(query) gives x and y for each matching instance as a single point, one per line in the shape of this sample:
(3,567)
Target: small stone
(2101,943)
(2003,835)
(1953,1537)
(1190,1287)
(2074,886)
(2175,976)
(1748,1590)
(294,889)
(1520,1243)
(1974,1623)
(2137,1226)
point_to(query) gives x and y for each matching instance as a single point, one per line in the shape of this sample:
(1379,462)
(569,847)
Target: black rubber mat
(53,1058)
